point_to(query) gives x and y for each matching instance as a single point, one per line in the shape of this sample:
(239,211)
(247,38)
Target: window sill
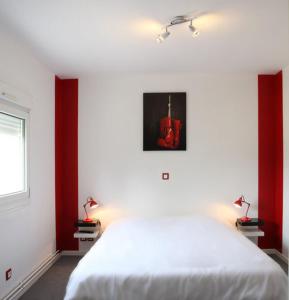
(13,202)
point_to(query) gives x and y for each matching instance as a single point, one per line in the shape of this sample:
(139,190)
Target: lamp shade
(93,203)
(239,202)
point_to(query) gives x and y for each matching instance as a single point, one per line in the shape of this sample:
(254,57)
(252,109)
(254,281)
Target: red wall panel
(270,207)
(66,162)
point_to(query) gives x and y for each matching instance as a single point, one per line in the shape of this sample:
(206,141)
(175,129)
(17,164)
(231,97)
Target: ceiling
(76,37)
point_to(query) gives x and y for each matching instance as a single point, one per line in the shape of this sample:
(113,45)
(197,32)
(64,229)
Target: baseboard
(277,253)
(29,280)
(73,253)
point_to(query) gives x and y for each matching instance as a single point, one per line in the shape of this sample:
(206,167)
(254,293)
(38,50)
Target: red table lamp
(92,204)
(239,203)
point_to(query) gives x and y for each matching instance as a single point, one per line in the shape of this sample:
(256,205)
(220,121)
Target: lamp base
(245,219)
(87,220)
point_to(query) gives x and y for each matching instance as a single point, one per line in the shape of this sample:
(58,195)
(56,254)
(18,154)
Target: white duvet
(176,259)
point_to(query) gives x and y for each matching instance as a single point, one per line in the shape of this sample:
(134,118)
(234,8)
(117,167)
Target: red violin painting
(170,130)
(164,121)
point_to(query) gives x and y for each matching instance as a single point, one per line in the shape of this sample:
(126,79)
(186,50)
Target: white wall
(28,234)
(286,161)
(221,161)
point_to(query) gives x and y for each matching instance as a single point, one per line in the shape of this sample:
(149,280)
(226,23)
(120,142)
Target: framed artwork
(164,121)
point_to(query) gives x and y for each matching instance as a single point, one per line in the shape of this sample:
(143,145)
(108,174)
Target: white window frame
(16,200)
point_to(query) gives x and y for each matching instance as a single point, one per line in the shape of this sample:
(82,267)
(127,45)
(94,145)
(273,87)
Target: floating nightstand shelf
(87,230)
(90,235)
(250,228)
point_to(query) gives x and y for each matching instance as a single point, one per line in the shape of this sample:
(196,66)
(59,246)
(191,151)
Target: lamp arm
(244,201)
(247,208)
(84,206)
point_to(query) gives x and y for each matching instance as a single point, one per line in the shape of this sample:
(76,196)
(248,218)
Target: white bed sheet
(174,259)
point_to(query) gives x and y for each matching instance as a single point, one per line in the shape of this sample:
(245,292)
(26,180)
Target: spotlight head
(161,37)
(194,31)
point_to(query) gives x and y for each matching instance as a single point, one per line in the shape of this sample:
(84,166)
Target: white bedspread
(176,259)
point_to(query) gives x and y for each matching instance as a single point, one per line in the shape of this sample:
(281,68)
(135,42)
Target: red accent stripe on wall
(66,162)
(270,206)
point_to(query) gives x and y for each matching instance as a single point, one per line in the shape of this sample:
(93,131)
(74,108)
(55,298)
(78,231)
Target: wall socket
(8,274)
(165,176)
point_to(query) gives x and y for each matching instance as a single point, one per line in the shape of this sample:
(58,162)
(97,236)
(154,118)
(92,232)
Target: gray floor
(51,286)
(282,264)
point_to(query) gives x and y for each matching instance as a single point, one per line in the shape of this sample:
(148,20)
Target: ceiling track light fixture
(176,21)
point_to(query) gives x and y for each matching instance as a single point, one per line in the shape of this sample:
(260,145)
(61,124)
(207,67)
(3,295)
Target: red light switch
(165,176)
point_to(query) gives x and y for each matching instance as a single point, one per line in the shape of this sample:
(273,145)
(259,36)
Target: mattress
(176,258)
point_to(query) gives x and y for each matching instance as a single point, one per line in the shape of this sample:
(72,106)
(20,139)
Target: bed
(182,258)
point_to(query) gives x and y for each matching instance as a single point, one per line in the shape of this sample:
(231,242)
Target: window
(14,181)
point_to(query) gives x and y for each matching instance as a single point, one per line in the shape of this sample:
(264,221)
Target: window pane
(12,154)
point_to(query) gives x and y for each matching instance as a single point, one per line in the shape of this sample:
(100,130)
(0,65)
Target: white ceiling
(76,37)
